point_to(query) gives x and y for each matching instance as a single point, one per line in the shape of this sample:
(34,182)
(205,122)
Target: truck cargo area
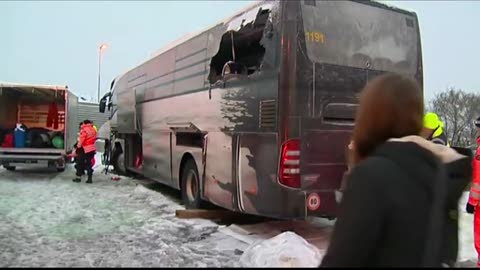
(40,112)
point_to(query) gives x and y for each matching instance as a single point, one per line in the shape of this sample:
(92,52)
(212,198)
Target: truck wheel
(10,168)
(190,186)
(118,163)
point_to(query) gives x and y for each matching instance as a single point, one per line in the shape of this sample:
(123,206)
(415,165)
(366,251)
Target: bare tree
(457,109)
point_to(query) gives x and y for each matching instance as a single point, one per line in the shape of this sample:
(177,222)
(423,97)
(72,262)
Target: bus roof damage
(242,47)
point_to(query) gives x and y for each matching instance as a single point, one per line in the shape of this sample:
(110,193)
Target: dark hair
(391,106)
(87,122)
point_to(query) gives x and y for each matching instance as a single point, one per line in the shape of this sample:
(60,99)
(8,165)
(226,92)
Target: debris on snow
(284,250)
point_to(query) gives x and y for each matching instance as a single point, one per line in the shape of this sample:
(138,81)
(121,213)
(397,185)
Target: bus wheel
(119,163)
(191,186)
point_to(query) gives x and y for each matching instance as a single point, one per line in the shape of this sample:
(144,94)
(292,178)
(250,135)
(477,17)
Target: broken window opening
(240,53)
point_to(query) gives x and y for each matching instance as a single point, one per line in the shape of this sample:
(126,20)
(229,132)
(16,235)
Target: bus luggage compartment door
(218,186)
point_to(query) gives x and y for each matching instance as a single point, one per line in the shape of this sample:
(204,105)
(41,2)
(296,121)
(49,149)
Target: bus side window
(240,53)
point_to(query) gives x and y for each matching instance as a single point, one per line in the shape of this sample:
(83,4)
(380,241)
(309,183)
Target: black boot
(89,180)
(77,180)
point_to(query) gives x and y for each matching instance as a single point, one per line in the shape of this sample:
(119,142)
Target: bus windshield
(358,35)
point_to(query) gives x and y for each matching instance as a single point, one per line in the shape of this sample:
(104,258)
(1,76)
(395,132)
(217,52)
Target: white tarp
(284,250)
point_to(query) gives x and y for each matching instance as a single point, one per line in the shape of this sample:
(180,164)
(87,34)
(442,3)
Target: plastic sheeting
(284,250)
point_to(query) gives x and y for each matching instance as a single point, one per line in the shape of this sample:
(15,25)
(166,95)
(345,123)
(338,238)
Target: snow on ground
(47,220)
(467,256)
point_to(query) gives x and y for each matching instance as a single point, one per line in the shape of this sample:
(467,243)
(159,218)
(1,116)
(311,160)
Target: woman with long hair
(395,210)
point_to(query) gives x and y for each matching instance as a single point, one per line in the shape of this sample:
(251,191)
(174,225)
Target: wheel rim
(192,182)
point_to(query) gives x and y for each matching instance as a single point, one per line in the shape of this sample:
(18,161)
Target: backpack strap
(433,132)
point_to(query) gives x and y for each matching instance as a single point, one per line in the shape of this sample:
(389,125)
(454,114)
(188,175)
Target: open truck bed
(30,105)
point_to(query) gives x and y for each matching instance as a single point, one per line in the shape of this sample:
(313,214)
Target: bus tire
(118,162)
(10,168)
(190,186)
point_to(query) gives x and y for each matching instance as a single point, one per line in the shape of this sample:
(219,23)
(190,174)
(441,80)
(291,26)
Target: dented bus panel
(262,105)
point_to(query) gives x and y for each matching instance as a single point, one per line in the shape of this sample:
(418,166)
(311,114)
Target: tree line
(458,110)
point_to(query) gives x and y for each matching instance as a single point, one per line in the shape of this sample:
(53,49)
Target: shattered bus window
(241,52)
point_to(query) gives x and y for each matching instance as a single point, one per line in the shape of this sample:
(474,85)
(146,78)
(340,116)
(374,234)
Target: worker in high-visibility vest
(474,198)
(86,151)
(433,129)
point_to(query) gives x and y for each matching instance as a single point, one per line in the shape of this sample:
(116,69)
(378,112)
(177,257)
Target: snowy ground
(46,220)
(467,256)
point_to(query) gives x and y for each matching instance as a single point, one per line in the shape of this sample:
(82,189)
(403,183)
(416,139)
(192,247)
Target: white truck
(46,111)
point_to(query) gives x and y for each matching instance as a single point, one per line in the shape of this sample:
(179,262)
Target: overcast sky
(57,42)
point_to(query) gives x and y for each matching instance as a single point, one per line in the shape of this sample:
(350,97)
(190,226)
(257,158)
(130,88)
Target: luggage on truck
(20,137)
(8,140)
(58,142)
(38,138)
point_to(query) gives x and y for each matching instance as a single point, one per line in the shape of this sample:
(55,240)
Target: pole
(99,65)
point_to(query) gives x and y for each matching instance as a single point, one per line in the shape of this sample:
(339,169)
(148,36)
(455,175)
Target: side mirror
(103,102)
(102,105)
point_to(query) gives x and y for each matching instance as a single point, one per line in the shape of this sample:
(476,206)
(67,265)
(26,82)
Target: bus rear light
(291,171)
(292,153)
(292,162)
(289,167)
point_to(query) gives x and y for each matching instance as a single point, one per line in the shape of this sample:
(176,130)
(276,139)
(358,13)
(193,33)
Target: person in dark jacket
(396,203)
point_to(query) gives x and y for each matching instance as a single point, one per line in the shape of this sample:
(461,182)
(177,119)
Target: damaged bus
(254,114)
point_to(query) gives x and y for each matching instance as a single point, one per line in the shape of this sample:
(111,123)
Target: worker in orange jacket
(86,151)
(474,198)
